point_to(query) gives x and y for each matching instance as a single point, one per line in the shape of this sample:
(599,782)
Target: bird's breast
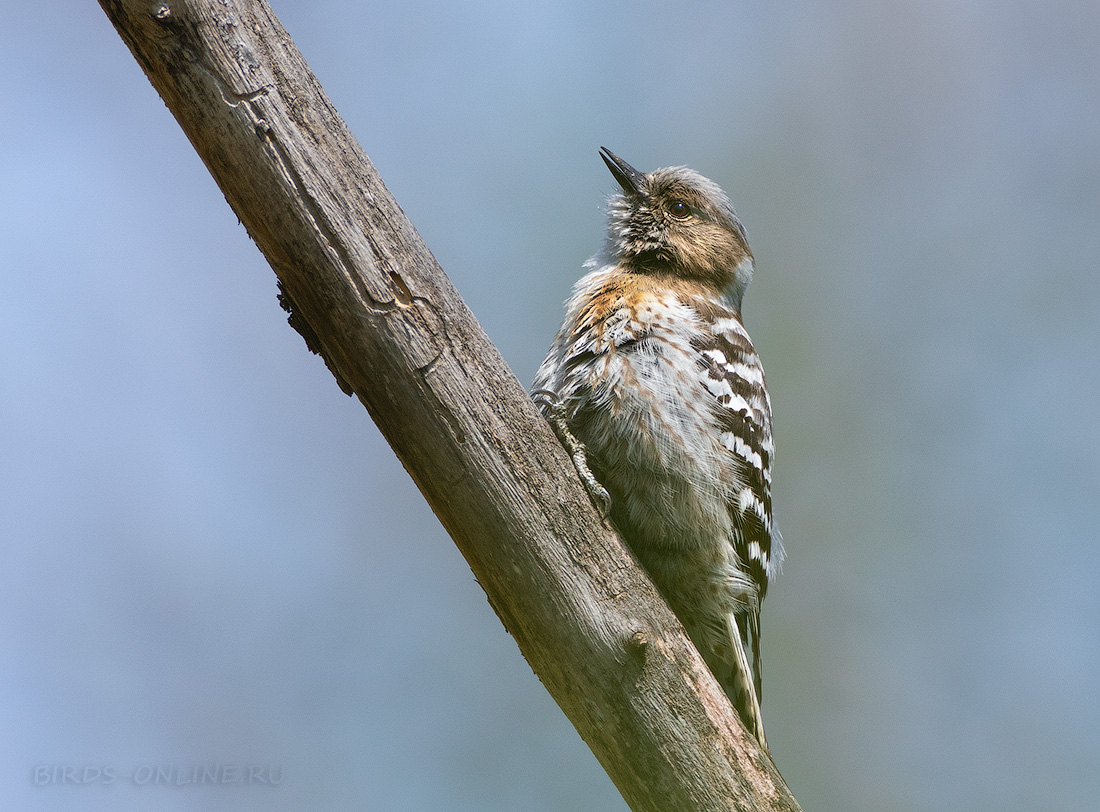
(646,416)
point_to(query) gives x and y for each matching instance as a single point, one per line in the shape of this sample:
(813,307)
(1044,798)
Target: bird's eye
(679,209)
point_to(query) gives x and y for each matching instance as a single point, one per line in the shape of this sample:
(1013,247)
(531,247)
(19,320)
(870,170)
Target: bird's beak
(628,177)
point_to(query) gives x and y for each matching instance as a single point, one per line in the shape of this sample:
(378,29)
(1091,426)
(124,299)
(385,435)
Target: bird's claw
(553,409)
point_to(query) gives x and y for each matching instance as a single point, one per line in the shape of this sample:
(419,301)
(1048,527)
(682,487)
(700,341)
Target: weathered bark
(370,298)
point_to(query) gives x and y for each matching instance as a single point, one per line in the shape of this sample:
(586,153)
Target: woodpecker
(657,390)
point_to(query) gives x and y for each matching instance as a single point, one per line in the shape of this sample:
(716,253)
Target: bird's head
(675,222)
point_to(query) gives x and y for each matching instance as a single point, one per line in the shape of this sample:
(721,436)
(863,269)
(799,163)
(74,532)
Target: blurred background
(209,556)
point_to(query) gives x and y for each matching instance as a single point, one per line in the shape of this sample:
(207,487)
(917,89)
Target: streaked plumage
(654,373)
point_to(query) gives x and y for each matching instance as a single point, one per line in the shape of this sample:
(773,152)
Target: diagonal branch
(368,296)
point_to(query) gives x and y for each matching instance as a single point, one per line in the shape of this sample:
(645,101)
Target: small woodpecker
(660,393)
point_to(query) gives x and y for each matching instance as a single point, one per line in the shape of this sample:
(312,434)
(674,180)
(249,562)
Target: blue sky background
(208,555)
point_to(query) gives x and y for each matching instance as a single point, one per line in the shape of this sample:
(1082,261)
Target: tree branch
(370,298)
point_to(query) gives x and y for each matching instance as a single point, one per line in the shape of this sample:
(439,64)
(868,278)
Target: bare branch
(370,298)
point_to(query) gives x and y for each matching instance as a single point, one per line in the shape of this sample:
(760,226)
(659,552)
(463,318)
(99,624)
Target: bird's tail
(741,676)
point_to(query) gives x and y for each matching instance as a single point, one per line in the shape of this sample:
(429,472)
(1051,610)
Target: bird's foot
(552,408)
